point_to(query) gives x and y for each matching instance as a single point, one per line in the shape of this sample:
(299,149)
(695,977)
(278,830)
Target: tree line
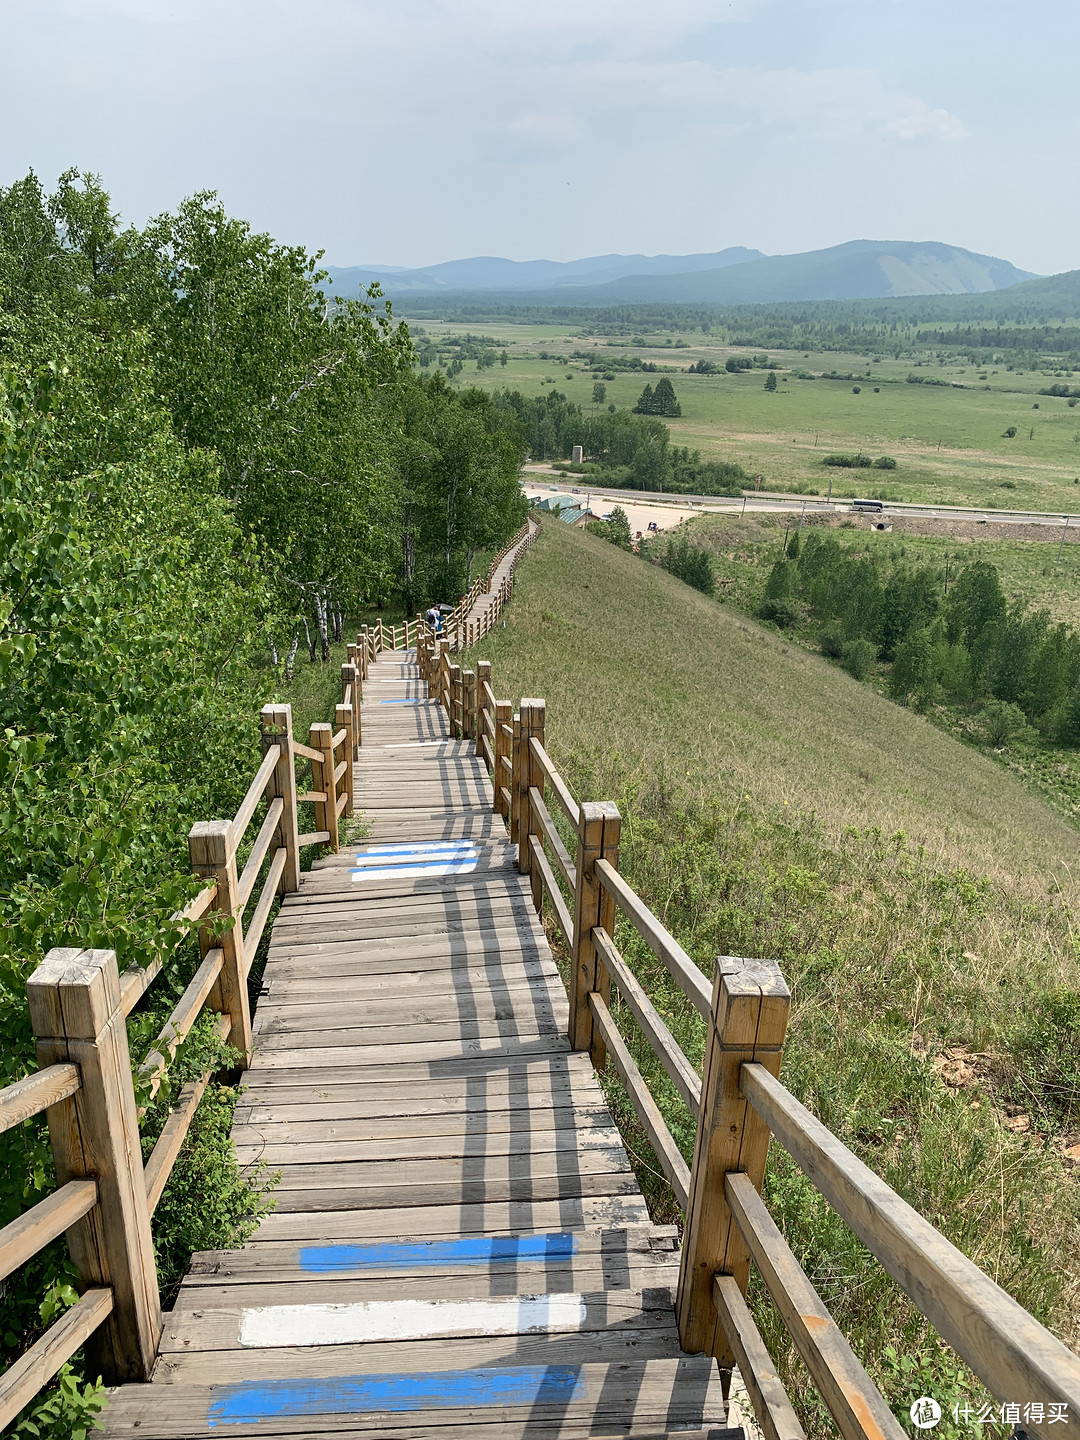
(622,447)
(954,638)
(204,462)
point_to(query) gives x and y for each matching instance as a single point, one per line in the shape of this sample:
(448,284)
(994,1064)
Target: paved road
(545,481)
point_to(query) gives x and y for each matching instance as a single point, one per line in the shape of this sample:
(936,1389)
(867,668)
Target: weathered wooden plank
(469,1120)
(581,1181)
(466,1145)
(444,1051)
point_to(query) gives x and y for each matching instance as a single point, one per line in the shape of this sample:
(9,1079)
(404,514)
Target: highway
(544,481)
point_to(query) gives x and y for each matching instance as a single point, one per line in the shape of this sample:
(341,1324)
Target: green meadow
(947,438)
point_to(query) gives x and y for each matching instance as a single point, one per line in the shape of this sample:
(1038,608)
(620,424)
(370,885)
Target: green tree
(770,380)
(599,392)
(646,404)
(664,401)
(619,526)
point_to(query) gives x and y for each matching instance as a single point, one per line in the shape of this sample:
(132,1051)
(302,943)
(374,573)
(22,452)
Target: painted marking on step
(391,862)
(416,872)
(403,702)
(364,1322)
(509,1249)
(429,847)
(248,1402)
(418,744)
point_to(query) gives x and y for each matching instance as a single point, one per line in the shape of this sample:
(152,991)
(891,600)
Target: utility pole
(1062,545)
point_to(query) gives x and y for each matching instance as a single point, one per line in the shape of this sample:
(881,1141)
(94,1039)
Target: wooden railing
(79,1003)
(739,1105)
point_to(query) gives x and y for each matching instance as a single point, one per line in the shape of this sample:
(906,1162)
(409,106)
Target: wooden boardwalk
(459,1245)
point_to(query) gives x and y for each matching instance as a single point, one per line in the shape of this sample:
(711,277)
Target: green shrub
(832,639)
(848,462)
(1003,723)
(858,656)
(782,613)
(884,462)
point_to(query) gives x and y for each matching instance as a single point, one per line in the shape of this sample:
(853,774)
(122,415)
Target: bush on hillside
(858,657)
(781,613)
(848,462)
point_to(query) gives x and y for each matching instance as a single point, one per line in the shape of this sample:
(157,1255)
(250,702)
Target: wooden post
(515,755)
(483,677)
(503,716)
(276,724)
(321,737)
(749,1018)
(74,998)
(599,829)
(455,700)
(531,723)
(343,719)
(212,849)
(444,678)
(380,641)
(362,642)
(350,676)
(468,706)
(535,782)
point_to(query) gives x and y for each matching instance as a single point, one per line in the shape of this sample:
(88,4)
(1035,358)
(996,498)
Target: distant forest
(1037,323)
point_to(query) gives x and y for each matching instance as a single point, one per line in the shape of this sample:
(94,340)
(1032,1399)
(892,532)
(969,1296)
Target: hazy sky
(411,131)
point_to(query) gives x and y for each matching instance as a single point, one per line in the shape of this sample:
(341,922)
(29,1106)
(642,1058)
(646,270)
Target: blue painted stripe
(421,701)
(250,1401)
(479,1251)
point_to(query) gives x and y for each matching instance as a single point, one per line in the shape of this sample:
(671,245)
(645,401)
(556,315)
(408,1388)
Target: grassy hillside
(916,898)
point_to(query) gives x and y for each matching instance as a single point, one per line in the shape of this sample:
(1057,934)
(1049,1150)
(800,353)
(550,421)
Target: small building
(577,455)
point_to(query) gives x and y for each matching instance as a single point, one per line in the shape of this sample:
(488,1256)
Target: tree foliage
(198,451)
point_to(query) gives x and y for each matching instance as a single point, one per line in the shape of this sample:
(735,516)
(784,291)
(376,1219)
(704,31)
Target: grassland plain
(948,439)
(917,899)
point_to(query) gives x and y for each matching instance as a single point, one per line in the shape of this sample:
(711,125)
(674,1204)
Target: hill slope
(859,270)
(629,657)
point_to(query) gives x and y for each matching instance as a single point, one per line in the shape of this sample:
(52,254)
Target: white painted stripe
(371,1321)
(419,744)
(415,872)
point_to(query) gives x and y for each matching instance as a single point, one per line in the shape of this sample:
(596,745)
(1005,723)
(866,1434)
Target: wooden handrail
(553,838)
(183,1017)
(681,1073)
(543,866)
(28,1097)
(250,802)
(23,1379)
(646,1108)
(262,910)
(267,830)
(307,753)
(1013,1355)
(162,1158)
(557,783)
(663,944)
(42,1223)
(854,1401)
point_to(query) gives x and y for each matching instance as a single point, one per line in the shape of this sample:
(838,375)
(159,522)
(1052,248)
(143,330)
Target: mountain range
(857,270)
